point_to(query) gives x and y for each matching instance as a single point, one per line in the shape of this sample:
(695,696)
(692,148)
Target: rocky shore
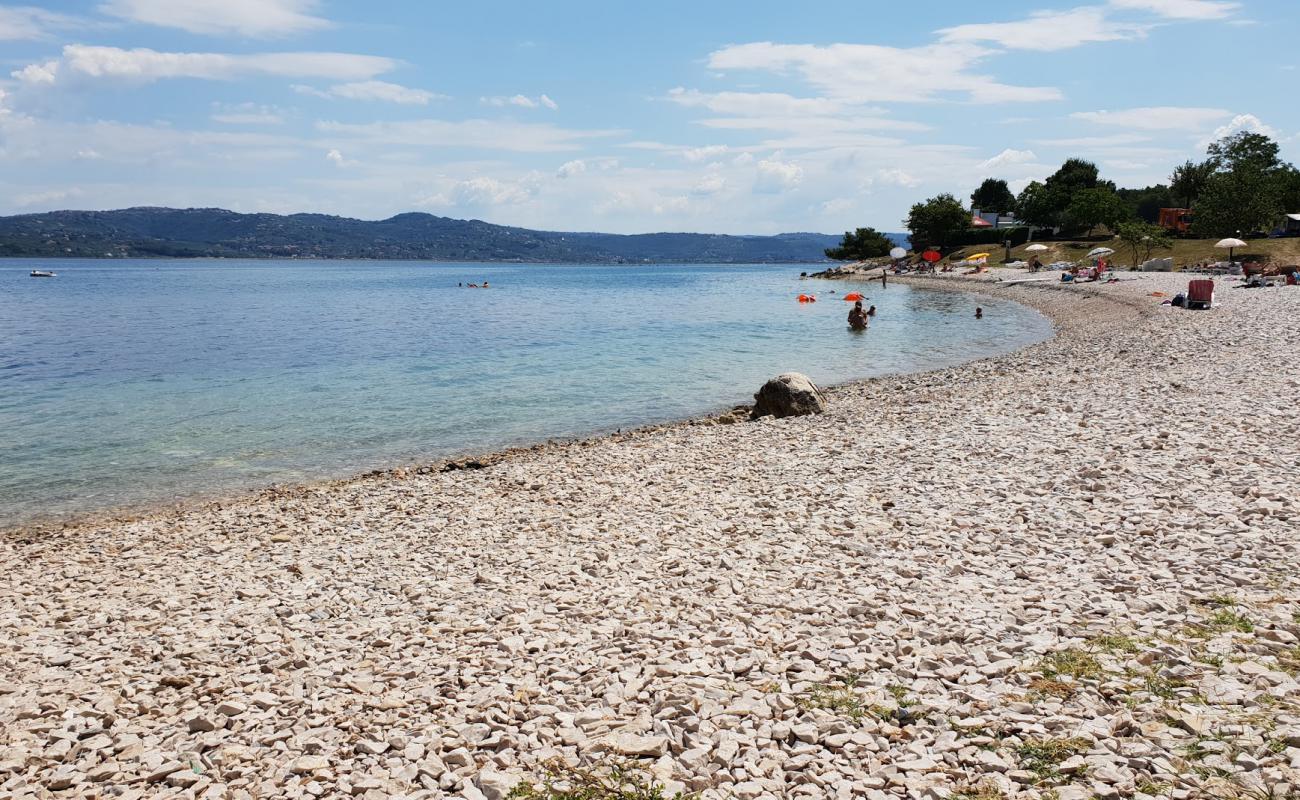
(1068,572)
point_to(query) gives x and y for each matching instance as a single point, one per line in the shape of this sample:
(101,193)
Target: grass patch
(839,697)
(1217,601)
(1226,619)
(1289,660)
(1071,662)
(1153,787)
(1043,756)
(1115,644)
(984,791)
(1160,686)
(615,780)
(1040,688)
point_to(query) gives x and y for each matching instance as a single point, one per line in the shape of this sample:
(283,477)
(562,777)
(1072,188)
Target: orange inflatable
(807,298)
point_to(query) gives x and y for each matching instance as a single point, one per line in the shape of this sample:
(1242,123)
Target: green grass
(839,697)
(1043,756)
(616,780)
(1108,643)
(1073,662)
(1226,619)
(1153,787)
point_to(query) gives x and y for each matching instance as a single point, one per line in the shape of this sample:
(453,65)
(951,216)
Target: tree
(1146,203)
(1288,180)
(1188,181)
(1237,203)
(1245,150)
(861,244)
(1034,206)
(937,222)
(1044,204)
(1143,239)
(1097,206)
(1249,188)
(994,195)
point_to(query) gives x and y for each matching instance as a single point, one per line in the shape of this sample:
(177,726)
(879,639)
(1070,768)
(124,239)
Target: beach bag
(1179,300)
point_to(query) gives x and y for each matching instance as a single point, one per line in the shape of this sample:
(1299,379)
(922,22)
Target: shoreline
(1068,571)
(221,498)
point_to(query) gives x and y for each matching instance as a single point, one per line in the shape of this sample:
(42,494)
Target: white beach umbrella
(1230,244)
(1098,252)
(897,253)
(1037,248)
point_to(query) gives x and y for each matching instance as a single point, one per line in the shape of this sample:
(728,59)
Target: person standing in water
(979,313)
(857,317)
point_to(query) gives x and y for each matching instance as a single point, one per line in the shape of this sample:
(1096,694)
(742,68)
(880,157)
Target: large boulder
(788,395)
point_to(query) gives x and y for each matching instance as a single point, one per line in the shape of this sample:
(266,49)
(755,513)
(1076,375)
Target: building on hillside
(1289,226)
(992,219)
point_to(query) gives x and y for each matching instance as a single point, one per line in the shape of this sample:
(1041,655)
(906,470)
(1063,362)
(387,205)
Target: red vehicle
(1176,220)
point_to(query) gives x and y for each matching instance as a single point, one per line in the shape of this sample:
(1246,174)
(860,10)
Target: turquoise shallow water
(134,382)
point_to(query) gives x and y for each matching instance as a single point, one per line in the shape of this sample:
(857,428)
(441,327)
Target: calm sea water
(133,382)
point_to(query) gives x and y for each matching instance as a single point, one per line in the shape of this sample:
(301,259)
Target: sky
(750,117)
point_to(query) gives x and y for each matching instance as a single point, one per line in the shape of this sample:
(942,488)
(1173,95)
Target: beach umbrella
(1230,244)
(1037,248)
(1099,252)
(853,297)
(931,256)
(897,253)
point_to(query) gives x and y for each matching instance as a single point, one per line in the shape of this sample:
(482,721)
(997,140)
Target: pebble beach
(1070,572)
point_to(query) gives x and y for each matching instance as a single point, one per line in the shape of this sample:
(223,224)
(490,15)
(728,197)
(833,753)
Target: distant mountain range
(214,232)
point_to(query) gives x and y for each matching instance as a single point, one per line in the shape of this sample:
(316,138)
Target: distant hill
(214,232)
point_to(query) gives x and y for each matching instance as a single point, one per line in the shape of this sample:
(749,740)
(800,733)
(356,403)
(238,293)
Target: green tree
(1146,203)
(994,195)
(1143,239)
(1097,206)
(1249,188)
(1034,206)
(1245,150)
(861,244)
(1236,203)
(937,222)
(1288,180)
(1188,180)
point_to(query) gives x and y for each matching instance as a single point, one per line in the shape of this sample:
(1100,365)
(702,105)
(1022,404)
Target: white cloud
(336,158)
(755,104)
(897,177)
(521,101)
(473,133)
(775,175)
(1181,9)
(697,154)
(246,114)
(710,184)
(144,65)
(47,198)
(19,23)
(1048,30)
(257,18)
(570,168)
(1155,118)
(1243,122)
(486,191)
(1008,157)
(861,73)
(372,90)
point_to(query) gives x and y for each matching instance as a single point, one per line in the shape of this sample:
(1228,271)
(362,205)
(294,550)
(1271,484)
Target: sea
(133,383)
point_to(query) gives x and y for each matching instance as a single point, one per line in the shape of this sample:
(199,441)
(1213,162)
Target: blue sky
(755,117)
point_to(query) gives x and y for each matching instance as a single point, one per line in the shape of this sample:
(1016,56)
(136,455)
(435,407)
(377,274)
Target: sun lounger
(1200,293)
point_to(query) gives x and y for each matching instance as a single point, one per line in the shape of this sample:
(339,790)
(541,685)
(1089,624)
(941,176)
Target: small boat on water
(41,273)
